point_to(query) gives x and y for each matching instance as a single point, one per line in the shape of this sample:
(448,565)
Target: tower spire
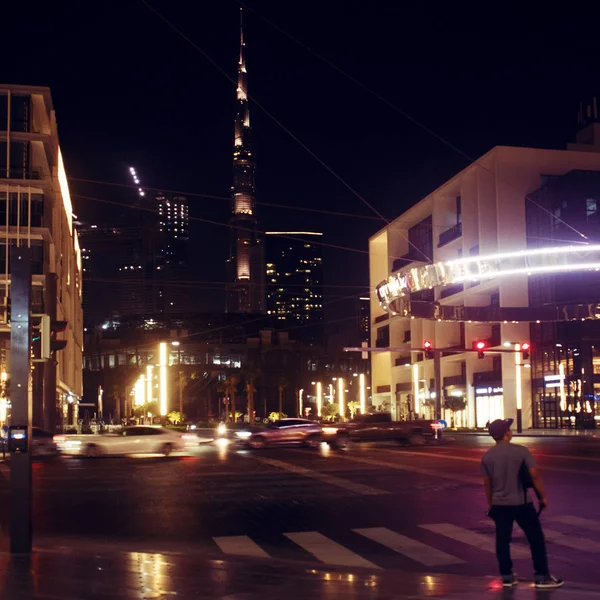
(245,259)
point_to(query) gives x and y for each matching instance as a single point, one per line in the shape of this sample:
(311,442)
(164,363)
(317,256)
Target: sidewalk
(76,574)
(561,433)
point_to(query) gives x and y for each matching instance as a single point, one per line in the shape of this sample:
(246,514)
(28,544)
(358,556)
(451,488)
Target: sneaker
(509,581)
(548,582)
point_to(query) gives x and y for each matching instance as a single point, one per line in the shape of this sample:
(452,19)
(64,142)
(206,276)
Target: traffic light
(428,349)
(480,347)
(55,328)
(525,347)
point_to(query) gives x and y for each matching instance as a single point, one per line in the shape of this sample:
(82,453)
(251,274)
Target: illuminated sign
(479,268)
(554,381)
(489,391)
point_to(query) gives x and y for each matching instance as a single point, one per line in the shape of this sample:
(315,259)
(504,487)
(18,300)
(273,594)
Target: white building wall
(493,201)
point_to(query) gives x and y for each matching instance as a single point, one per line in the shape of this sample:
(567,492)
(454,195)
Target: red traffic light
(480,345)
(427,345)
(525,346)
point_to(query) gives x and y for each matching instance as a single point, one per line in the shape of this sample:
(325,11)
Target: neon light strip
(538,260)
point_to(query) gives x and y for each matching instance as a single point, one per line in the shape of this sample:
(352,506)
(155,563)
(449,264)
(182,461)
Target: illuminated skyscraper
(174,229)
(245,293)
(294,276)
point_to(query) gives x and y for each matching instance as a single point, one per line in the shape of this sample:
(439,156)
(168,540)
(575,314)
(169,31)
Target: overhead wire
(406,115)
(228,199)
(278,122)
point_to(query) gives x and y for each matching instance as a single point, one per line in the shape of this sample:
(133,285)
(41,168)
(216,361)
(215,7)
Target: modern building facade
(36,211)
(509,201)
(294,279)
(245,291)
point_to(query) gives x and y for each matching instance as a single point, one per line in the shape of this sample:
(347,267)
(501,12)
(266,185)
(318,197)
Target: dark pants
(527,519)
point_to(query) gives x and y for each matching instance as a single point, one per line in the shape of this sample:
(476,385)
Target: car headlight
(330,430)
(243,435)
(221,428)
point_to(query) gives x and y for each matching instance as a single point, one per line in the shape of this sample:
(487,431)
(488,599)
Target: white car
(139,439)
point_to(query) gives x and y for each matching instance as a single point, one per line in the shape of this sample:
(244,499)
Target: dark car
(284,432)
(379,426)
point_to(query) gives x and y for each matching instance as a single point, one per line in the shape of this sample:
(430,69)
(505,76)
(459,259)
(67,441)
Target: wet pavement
(382,509)
(68,575)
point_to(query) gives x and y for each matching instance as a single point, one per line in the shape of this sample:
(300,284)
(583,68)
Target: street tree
(455,404)
(353,408)
(330,411)
(283,383)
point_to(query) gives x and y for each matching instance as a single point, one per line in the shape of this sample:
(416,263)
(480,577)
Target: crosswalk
(363,547)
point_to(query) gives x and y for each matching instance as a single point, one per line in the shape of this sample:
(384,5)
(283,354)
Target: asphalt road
(374,506)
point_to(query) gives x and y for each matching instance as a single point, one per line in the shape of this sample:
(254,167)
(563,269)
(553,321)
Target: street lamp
(319,398)
(362,395)
(341,396)
(518,389)
(162,353)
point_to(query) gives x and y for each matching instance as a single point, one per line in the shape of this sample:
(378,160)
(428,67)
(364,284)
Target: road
(374,506)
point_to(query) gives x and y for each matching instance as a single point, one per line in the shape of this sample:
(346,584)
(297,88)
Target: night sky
(129,91)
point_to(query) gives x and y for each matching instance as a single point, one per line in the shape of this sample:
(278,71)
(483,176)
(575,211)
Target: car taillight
(59,438)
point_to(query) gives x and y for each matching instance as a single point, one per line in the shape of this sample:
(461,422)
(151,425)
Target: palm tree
(283,383)
(250,391)
(229,388)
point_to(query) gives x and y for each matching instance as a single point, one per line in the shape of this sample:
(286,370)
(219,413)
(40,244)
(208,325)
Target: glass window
(591,209)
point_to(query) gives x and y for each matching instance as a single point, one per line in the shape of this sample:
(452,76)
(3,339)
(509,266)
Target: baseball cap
(499,427)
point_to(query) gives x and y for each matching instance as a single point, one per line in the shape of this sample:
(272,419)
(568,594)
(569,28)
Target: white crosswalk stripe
(415,550)
(472,538)
(577,522)
(328,551)
(570,541)
(240,545)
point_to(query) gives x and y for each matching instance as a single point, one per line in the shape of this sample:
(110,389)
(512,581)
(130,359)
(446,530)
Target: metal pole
(20,397)
(437,374)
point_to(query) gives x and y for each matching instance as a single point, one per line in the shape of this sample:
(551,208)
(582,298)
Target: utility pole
(437,374)
(181,394)
(20,396)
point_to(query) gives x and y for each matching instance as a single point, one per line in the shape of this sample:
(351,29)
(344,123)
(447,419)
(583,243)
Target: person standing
(509,501)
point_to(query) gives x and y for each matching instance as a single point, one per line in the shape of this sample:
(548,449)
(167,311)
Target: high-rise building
(36,211)
(245,292)
(294,278)
(364,311)
(174,228)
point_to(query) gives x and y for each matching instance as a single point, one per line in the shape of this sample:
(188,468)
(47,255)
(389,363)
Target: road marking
(576,543)
(417,551)
(328,551)
(415,469)
(577,522)
(478,460)
(472,538)
(358,488)
(240,545)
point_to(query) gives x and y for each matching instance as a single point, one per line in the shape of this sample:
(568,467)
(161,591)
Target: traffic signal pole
(20,397)
(437,374)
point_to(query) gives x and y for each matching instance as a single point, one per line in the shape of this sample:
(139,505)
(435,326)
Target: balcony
(404,261)
(31,174)
(382,318)
(449,235)
(402,360)
(487,376)
(455,380)
(451,290)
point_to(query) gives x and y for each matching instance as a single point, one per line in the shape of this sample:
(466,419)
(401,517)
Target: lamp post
(319,398)
(362,395)
(162,354)
(341,397)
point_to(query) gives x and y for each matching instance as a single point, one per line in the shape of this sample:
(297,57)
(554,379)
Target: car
(138,439)
(42,444)
(283,432)
(379,426)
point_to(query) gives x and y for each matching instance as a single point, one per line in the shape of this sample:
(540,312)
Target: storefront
(489,402)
